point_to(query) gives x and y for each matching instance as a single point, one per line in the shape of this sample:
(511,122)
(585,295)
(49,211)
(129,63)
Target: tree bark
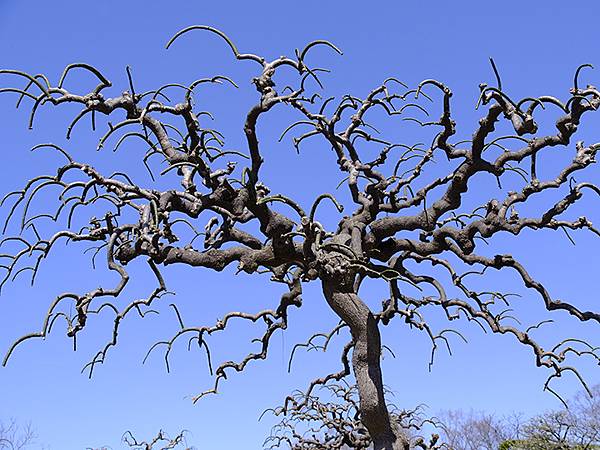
(366,364)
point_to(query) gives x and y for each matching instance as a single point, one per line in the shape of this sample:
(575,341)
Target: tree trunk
(366,359)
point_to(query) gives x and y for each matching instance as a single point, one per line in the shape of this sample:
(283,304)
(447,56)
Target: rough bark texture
(366,365)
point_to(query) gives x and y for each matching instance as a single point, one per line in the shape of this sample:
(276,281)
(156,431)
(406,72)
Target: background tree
(16,437)
(574,428)
(405,218)
(475,430)
(577,427)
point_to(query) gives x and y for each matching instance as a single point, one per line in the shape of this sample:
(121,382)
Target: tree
(577,427)
(574,428)
(478,430)
(405,219)
(15,437)
(331,419)
(161,441)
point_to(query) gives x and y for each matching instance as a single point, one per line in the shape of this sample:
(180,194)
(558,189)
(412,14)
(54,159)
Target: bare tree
(331,419)
(161,441)
(403,217)
(475,430)
(551,430)
(15,437)
(586,410)
(575,427)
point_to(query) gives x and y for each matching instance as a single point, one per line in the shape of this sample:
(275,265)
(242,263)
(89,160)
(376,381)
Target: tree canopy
(401,219)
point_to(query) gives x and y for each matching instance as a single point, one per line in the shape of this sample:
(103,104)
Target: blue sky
(536,45)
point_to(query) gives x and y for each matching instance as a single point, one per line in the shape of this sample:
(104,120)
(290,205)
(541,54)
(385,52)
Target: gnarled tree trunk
(366,359)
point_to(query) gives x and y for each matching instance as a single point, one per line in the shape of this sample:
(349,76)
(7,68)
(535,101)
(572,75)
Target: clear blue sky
(536,45)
